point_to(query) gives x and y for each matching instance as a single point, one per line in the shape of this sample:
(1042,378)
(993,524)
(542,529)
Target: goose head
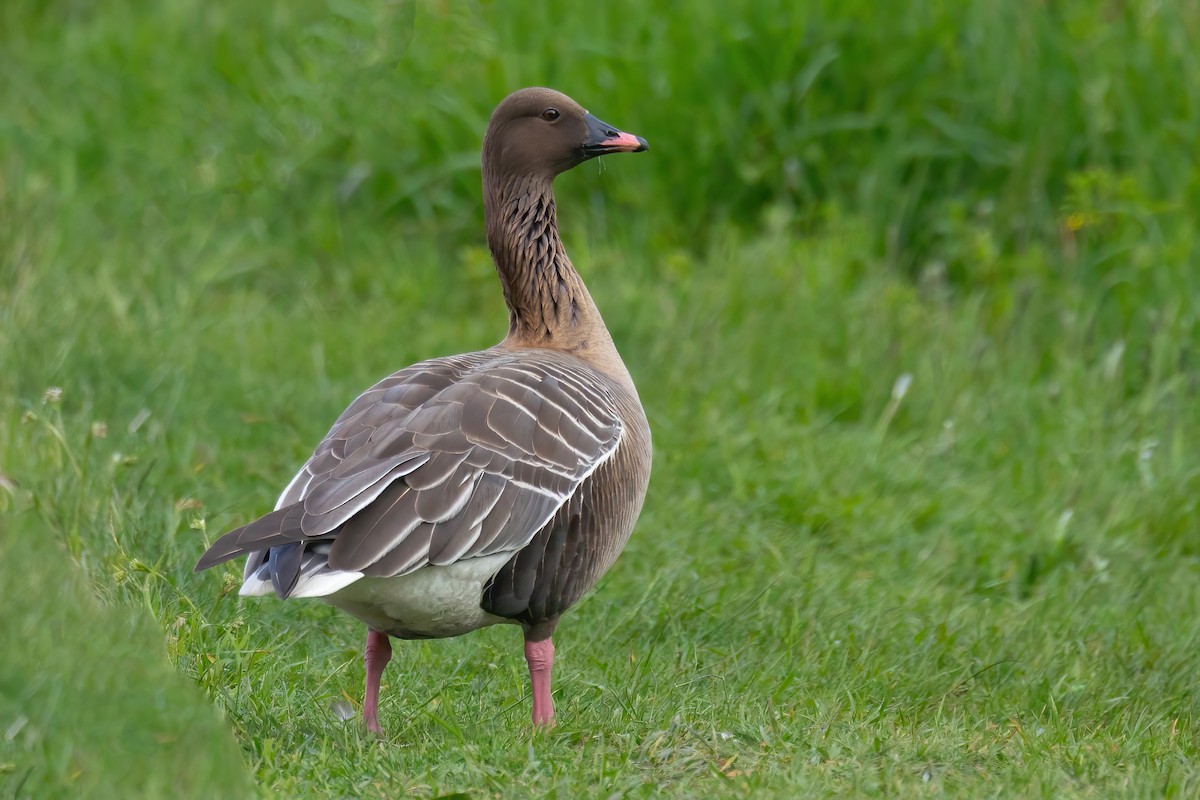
(540,133)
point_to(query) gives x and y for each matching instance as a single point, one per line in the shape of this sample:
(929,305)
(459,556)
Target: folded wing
(449,459)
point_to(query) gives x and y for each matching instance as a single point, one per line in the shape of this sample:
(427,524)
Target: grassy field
(912,295)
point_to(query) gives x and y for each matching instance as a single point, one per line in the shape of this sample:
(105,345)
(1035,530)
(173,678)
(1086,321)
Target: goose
(483,488)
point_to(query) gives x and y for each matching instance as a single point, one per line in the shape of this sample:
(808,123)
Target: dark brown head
(540,132)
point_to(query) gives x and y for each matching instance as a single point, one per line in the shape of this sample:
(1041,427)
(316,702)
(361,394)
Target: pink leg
(377,656)
(540,656)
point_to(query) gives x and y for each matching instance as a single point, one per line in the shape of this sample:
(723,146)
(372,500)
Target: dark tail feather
(284,563)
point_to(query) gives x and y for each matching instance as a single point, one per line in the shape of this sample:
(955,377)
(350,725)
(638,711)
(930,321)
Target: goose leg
(378,654)
(540,656)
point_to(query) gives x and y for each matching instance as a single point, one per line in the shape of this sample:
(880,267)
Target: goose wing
(446,460)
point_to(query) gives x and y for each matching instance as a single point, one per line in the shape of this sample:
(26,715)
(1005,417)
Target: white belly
(433,602)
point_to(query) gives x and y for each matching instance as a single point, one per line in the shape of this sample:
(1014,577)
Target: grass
(910,294)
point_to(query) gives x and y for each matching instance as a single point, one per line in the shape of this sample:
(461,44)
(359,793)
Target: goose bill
(604,138)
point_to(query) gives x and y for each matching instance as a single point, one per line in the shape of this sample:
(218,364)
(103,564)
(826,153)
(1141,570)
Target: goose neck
(548,303)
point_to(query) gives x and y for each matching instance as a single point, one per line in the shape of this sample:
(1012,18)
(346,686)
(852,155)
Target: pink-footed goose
(489,487)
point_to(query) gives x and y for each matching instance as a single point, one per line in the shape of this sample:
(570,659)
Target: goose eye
(550,114)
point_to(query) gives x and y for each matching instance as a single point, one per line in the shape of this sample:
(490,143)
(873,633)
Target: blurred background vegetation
(910,290)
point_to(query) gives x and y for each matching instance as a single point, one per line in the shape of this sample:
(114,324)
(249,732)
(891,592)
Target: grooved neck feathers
(548,303)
